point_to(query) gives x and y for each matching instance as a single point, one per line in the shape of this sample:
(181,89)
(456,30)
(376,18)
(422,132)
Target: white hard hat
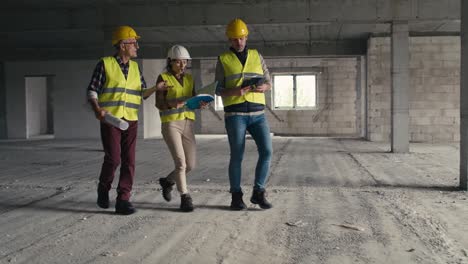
(178,52)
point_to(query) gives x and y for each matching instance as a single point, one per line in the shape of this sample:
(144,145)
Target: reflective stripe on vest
(177,92)
(235,74)
(120,96)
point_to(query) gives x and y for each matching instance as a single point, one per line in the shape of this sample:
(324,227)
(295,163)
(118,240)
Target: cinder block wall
(338,109)
(434,89)
(72,116)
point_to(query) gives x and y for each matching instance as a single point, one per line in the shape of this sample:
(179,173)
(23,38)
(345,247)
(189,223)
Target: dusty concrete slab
(335,201)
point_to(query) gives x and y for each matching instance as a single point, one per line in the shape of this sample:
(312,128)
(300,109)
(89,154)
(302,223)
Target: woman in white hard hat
(177,123)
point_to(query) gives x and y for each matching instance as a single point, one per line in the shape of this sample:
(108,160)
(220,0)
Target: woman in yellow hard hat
(177,123)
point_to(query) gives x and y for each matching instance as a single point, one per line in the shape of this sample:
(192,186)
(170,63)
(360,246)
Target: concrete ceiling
(81,29)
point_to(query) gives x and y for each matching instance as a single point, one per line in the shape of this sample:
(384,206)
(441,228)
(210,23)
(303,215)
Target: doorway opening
(39,107)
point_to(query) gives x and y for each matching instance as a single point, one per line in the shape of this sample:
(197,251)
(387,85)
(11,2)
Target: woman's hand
(180,104)
(204,105)
(176,103)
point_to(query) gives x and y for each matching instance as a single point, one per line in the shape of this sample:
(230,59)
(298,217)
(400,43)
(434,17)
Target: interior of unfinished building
(367,111)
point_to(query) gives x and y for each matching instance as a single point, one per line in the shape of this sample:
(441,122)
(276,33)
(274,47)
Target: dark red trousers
(119,148)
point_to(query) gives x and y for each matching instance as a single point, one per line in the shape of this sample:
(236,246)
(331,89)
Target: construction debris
(348,226)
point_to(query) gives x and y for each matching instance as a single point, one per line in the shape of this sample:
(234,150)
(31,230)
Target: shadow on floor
(91,207)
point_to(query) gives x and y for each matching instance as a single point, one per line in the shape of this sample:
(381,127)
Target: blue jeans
(236,127)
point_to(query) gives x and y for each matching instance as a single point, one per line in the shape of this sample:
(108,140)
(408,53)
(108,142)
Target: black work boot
(166,188)
(102,198)
(124,207)
(237,203)
(186,204)
(258,197)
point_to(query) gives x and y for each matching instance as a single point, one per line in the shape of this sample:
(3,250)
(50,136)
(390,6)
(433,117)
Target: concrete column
(400,87)
(197,79)
(464,97)
(149,114)
(3,128)
(50,104)
(361,87)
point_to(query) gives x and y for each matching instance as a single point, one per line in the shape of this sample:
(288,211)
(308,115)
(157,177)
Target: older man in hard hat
(116,88)
(244,111)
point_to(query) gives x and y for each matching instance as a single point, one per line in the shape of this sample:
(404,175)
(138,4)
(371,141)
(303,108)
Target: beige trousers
(180,140)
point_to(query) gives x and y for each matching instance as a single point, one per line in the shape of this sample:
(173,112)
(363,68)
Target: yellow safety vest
(177,92)
(121,97)
(235,74)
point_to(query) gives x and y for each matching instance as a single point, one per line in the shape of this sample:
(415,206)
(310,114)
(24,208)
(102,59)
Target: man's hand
(243,90)
(159,87)
(237,91)
(100,113)
(261,88)
(162,86)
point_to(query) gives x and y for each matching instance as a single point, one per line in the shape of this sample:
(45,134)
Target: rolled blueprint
(115,121)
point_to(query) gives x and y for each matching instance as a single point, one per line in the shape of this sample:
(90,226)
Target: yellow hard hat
(123,32)
(236,29)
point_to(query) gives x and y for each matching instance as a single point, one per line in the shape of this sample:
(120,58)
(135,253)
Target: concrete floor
(335,201)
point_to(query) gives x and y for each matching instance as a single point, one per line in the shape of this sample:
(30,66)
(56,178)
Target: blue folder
(194,102)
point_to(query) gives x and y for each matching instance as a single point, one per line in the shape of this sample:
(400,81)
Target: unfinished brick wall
(434,103)
(337,111)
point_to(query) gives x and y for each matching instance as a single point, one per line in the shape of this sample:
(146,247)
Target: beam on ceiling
(197,50)
(108,14)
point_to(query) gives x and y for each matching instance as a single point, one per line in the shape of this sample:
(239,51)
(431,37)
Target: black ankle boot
(186,204)
(124,207)
(258,197)
(166,188)
(237,203)
(102,198)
